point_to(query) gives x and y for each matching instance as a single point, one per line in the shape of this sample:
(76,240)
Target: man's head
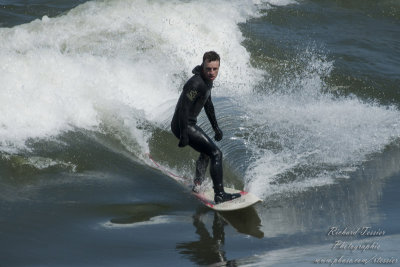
(211,65)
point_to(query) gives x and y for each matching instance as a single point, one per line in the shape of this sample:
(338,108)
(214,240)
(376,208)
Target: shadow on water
(209,248)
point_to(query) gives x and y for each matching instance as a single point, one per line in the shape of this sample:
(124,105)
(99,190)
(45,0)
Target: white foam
(161,219)
(74,70)
(312,129)
(281,2)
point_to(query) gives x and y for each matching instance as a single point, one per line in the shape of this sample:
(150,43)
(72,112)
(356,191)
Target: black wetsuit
(196,94)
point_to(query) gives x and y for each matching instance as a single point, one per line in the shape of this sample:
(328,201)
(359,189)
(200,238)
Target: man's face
(210,69)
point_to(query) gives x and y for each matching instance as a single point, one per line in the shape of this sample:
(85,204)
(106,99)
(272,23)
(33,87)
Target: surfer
(196,94)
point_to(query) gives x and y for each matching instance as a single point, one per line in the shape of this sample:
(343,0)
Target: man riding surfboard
(196,94)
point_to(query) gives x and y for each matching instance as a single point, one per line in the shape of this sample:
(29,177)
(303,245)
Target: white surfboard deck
(206,196)
(246,200)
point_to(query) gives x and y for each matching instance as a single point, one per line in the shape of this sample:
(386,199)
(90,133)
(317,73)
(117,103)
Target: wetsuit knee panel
(217,155)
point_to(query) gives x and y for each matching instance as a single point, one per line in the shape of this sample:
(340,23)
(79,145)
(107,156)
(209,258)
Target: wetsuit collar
(198,70)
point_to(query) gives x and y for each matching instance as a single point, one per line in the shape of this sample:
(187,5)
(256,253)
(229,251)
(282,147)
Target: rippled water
(307,98)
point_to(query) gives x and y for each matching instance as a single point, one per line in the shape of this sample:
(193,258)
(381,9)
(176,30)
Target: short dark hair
(211,56)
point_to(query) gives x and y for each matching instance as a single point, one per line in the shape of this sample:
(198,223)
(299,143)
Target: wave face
(117,68)
(79,69)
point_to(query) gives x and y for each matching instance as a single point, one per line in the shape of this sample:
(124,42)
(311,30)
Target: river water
(307,97)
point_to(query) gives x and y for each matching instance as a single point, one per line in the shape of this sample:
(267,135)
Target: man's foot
(222,197)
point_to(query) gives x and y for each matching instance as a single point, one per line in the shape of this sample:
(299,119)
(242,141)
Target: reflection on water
(209,248)
(285,223)
(245,221)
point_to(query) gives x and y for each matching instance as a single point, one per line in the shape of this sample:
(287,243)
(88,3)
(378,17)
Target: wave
(74,70)
(117,67)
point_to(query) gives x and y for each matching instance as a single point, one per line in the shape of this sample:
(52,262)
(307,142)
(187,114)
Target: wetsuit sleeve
(183,121)
(188,98)
(210,111)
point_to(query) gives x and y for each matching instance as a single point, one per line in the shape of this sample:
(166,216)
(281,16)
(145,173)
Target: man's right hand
(184,141)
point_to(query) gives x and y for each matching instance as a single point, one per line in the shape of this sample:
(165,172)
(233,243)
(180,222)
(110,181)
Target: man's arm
(183,120)
(210,111)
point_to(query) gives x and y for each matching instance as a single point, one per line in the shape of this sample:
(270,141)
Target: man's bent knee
(217,155)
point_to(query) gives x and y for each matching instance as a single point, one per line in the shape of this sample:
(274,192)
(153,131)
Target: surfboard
(206,196)
(245,200)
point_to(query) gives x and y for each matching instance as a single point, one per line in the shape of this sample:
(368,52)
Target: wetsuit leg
(202,143)
(201,167)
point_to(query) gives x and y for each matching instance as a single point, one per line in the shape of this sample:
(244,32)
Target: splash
(303,136)
(105,58)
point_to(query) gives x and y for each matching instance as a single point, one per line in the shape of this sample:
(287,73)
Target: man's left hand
(218,134)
